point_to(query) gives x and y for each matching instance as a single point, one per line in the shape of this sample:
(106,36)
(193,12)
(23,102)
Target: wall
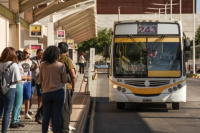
(3,34)
(106,21)
(26,40)
(139,6)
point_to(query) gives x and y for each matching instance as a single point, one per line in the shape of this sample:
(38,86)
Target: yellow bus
(147,63)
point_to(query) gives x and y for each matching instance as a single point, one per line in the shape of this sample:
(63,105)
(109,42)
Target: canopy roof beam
(26,4)
(85,31)
(54,8)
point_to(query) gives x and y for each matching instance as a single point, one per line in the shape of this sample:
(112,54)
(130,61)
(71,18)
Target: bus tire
(120,105)
(175,106)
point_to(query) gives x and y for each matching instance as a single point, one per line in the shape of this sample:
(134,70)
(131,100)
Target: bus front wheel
(175,106)
(120,105)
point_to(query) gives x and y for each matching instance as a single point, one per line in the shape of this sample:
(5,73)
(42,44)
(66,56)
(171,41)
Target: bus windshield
(147,59)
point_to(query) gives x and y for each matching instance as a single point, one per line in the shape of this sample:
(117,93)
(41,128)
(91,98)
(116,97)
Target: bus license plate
(147,100)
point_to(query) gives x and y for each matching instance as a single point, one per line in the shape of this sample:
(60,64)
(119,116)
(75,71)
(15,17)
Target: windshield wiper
(131,37)
(159,40)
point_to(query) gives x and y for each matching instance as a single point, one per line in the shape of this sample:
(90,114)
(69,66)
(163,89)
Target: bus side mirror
(187,44)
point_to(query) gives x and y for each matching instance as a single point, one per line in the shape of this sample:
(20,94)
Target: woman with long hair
(19,94)
(8,60)
(52,77)
(81,62)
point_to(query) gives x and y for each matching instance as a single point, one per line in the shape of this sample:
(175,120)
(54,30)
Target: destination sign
(147,28)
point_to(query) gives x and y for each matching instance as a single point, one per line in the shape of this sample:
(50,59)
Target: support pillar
(50,33)
(14,29)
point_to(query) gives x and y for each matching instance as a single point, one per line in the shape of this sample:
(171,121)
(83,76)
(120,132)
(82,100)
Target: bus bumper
(176,96)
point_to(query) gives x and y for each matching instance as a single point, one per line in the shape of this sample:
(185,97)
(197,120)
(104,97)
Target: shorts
(32,89)
(39,90)
(27,91)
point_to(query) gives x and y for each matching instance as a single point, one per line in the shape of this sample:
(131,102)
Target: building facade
(140,6)
(107,12)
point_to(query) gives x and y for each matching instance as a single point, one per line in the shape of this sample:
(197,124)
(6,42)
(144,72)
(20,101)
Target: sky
(198,6)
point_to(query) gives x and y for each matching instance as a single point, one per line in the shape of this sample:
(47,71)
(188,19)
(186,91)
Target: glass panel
(164,56)
(152,59)
(168,29)
(130,59)
(126,29)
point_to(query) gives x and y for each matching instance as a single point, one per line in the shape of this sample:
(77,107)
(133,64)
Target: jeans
(81,68)
(52,108)
(6,104)
(39,90)
(67,111)
(17,104)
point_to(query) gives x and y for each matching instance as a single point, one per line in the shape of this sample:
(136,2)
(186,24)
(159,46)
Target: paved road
(150,118)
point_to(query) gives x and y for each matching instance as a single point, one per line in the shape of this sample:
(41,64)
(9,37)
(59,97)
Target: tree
(197,37)
(103,38)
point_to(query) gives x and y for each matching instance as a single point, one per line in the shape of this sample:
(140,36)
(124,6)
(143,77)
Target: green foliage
(99,42)
(197,36)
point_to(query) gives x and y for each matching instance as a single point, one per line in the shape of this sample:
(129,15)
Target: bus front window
(130,59)
(164,58)
(151,59)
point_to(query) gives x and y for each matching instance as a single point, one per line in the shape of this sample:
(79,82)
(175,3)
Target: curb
(91,125)
(193,76)
(83,119)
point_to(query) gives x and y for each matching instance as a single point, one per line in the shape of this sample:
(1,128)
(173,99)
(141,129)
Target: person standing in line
(81,62)
(52,77)
(26,64)
(8,60)
(18,95)
(67,108)
(35,79)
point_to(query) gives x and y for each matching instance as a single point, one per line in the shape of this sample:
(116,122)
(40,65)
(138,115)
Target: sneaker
(50,129)
(30,112)
(14,126)
(27,116)
(19,117)
(72,128)
(22,112)
(38,121)
(20,125)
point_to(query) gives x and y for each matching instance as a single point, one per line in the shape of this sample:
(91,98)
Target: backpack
(3,85)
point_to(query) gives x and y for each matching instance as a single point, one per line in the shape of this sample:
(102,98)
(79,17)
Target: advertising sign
(60,33)
(35,31)
(70,42)
(74,46)
(34,47)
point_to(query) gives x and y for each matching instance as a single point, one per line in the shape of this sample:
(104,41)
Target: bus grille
(152,83)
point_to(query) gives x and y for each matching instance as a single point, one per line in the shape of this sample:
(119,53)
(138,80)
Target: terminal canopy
(76,17)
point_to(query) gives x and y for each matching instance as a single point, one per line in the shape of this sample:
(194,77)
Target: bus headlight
(119,88)
(170,90)
(174,88)
(115,86)
(179,86)
(123,90)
